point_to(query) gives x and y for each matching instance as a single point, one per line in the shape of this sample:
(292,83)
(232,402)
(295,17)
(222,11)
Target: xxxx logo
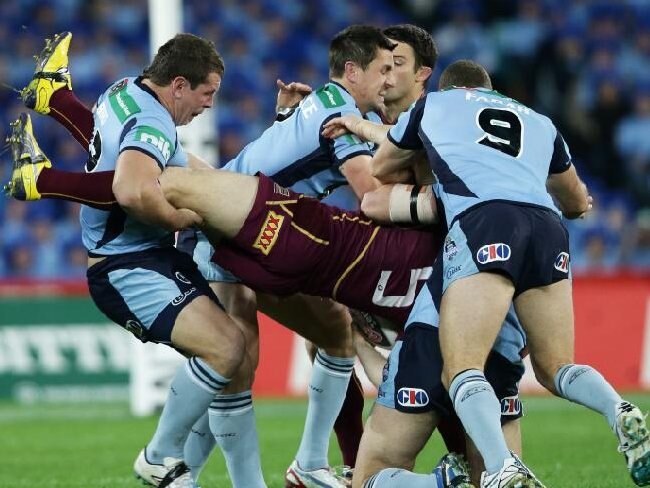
(269,233)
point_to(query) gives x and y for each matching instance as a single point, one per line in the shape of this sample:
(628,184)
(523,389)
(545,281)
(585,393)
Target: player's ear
(423,74)
(177,85)
(351,71)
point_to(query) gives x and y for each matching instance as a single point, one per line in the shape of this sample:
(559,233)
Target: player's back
(128,116)
(484,146)
(294,153)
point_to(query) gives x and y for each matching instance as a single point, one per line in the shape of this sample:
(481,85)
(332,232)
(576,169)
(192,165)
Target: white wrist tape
(410,204)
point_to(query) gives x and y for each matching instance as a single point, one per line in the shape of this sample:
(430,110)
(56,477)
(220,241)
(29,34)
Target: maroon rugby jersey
(291,243)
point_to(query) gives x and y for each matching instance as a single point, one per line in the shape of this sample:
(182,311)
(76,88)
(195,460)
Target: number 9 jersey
(483,146)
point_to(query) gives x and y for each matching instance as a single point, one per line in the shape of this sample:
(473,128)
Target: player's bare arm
(570,193)
(401,204)
(350,123)
(390,160)
(357,172)
(138,192)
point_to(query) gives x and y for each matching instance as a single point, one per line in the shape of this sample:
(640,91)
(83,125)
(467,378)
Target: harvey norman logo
(61,349)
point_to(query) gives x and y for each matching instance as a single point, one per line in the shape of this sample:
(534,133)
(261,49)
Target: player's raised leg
(50,90)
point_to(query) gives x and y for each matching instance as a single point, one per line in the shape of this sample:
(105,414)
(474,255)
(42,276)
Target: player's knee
(226,350)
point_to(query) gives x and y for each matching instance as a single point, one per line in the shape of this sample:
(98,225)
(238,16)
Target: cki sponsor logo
(562,262)
(269,233)
(493,252)
(412,397)
(510,405)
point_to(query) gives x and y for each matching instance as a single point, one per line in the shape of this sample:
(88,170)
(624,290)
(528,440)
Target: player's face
(375,81)
(193,102)
(403,73)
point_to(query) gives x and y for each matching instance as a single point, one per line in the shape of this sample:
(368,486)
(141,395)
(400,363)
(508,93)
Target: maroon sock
(92,189)
(70,112)
(349,423)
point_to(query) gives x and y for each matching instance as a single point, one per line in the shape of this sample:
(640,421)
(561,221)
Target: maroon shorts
(291,243)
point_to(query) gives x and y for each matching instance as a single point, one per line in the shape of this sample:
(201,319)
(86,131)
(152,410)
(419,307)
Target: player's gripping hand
(290,94)
(186,218)
(339,126)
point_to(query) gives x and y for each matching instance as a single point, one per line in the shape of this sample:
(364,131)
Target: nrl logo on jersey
(269,233)
(150,135)
(450,248)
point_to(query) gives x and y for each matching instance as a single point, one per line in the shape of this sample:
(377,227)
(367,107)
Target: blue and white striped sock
(480,412)
(329,382)
(232,422)
(191,392)
(199,445)
(585,386)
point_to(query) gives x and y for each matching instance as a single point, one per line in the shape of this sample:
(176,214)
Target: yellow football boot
(28,159)
(51,74)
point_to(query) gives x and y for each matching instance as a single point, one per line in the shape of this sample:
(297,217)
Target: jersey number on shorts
(417,275)
(502,130)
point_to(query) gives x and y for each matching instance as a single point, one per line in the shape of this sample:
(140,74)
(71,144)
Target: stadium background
(584,63)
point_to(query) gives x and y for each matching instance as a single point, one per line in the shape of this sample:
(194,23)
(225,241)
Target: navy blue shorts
(145,291)
(528,244)
(412,376)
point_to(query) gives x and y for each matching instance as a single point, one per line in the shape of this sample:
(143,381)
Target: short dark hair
(465,73)
(357,43)
(186,55)
(424,47)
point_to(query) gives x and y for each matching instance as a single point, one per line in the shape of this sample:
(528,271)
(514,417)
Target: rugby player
(494,160)
(135,275)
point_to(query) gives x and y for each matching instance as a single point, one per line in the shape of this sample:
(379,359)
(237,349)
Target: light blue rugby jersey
(294,153)
(483,146)
(128,116)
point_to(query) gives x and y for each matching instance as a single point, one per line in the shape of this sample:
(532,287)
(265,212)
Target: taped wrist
(411,204)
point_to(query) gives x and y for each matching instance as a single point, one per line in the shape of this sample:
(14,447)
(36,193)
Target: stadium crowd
(585,64)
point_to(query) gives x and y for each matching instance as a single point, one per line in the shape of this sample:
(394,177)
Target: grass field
(93,446)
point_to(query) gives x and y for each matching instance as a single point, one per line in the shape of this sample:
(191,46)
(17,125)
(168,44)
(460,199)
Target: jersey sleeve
(405,134)
(561,158)
(349,146)
(154,137)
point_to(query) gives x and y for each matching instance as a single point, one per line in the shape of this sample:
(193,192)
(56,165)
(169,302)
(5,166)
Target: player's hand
(290,94)
(339,126)
(186,218)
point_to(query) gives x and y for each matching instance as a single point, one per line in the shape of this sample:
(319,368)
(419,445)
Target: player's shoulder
(334,98)
(131,102)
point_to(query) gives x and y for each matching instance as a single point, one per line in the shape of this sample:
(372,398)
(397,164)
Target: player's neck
(351,89)
(396,107)
(163,95)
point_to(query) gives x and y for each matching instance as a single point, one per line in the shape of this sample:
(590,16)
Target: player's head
(465,73)
(361,59)
(415,58)
(191,68)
